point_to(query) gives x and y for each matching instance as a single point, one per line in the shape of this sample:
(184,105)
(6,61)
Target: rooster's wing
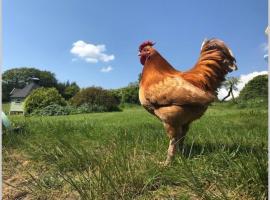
(176,91)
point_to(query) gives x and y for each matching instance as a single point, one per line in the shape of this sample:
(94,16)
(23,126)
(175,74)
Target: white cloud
(265,57)
(244,79)
(91,53)
(222,93)
(264,47)
(91,60)
(106,69)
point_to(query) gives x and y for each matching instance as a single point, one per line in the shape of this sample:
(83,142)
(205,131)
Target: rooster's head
(145,50)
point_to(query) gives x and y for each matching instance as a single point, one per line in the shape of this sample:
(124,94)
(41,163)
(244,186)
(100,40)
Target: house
(18,96)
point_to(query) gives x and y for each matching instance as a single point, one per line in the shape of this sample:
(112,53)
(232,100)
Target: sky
(95,42)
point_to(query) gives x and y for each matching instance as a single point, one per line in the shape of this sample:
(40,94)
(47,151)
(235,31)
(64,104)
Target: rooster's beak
(139,54)
(233,67)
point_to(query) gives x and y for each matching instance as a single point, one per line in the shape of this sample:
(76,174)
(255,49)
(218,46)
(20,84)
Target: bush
(41,98)
(86,108)
(256,88)
(129,94)
(252,103)
(55,110)
(52,110)
(95,99)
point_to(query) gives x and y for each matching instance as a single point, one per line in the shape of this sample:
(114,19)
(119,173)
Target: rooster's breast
(145,102)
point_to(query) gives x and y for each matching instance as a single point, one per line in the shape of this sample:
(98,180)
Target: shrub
(256,88)
(52,110)
(41,98)
(86,108)
(95,99)
(129,94)
(252,103)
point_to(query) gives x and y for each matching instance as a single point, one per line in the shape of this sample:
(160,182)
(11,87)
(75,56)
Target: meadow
(117,155)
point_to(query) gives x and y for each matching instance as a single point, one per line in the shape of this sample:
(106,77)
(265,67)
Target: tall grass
(117,155)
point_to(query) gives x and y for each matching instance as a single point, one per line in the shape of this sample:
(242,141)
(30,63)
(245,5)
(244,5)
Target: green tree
(230,85)
(19,77)
(6,89)
(129,94)
(71,90)
(95,96)
(139,77)
(256,88)
(61,88)
(68,90)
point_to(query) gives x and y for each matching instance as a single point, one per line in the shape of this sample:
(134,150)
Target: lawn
(5,107)
(116,156)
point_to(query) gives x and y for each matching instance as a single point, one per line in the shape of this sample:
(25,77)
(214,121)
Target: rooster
(178,98)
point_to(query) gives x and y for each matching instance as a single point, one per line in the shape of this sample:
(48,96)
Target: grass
(5,108)
(117,155)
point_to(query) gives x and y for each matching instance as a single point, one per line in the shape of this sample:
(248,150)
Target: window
(17,100)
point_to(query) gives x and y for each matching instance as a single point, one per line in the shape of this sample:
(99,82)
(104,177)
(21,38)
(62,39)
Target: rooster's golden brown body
(178,98)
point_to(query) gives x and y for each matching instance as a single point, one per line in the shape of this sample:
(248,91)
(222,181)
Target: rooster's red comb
(146,43)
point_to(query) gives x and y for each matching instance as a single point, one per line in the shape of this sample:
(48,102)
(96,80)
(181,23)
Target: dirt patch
(19,180)
(14,178)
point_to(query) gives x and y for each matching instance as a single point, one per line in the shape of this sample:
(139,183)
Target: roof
(22,93)
(13,91)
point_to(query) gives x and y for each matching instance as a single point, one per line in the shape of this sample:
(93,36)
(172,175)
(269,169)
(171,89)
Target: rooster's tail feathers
(219,45)
(203,43)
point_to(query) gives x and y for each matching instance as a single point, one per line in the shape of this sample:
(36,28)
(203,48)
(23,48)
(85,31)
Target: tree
(95,96)
(68,90)
(19,77)
(6,89)
(255,88)
(61,88)
(129,94)
(230,85)
(139,77)
(71,90)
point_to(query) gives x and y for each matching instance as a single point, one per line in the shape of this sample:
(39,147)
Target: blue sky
(95,42)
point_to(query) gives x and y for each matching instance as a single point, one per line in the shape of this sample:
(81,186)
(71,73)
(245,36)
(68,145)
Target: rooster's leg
(173,144)
(171,150)
(181,136)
